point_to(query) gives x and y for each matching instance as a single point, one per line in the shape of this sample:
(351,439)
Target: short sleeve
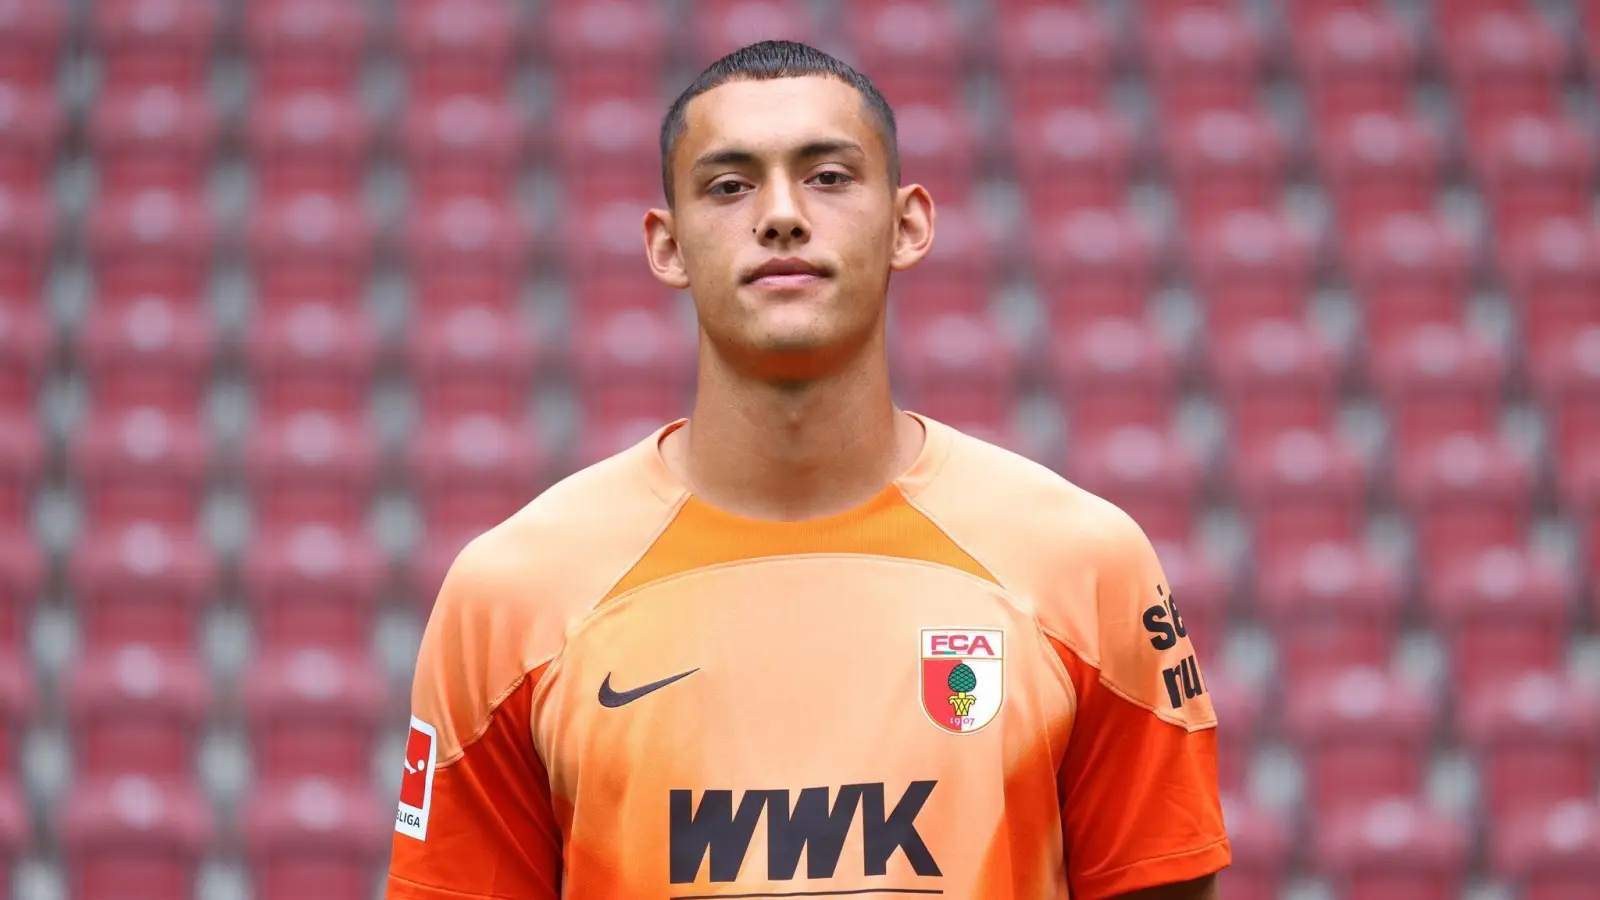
(1140,805)
(475,817)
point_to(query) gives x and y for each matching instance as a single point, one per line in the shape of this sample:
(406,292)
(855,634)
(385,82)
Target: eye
(727,188)
(831,178)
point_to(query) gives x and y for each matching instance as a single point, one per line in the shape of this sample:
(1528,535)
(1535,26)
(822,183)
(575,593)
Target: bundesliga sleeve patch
(416,786)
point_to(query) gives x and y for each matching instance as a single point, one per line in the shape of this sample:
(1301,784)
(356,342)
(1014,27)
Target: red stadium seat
(432,560)
(1251,264)
(1466,492)
(1202,55)
(1503,610)
(1551,852)
(21,465)
(476,470)
(1437,379)
(604,436)
(458,46)
(1363,734)
(141,582)
(605,238)
(1407,260)
(25,345)
(633,362)
(1565,370)
(1537,737)
(1331,606)
(605,47)
(467,237)
(1353,58)
(16,704)
(608,147)
(1146,472)
(31,35)
(1052,53)
(151,242)
(22,570)
(313,711)
(132,837)
(462,144)
(911,49)
(1261,841)
(308,140)
(959,272)
(1553,271)
(1091,264)
(314,836)
(305,44)
(1392,849)
(15,827)
(156,136)
(1223,160)
(957,366)
(1377,164)
(27,231)
(1534,167)
(1237,702)
(143,463)
(1272,375)
(155,41)
(136,708)
(1504,62)
(939,149)
(473,359)
(312,582)
(720,27)
(1115,372)
(312,465)
(1300,488)
(312,354)
(30,132)
(150,351)
(1071,158)
(311,246)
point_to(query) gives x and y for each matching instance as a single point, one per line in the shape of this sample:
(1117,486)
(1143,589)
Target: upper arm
(1140,806)
(475,817)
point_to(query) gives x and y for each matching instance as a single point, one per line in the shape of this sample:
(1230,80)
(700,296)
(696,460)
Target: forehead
(777,114)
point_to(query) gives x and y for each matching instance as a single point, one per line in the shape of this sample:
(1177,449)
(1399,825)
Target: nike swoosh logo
(612,699)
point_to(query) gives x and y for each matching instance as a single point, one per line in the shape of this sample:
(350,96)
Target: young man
(804,643)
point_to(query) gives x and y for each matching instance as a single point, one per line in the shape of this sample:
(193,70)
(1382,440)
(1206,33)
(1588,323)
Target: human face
(785,226)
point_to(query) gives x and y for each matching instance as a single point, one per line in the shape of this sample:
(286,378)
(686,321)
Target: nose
(783,218)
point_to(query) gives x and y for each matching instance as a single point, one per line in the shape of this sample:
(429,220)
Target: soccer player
(805,643)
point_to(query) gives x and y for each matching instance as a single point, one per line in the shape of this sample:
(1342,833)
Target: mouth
(785,274)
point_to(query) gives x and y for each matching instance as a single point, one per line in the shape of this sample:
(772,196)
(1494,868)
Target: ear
(913,226)
(661,248)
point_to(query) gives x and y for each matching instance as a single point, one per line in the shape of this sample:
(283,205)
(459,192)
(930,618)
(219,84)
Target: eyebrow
(738,156)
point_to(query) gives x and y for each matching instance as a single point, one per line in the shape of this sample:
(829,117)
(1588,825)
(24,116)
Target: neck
(792,451)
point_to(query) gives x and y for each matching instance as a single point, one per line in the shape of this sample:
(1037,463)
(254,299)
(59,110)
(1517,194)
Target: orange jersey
(975,685)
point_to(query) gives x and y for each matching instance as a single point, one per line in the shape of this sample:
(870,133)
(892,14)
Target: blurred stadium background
(298,295)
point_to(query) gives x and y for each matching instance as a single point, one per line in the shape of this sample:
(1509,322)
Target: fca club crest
(963,676)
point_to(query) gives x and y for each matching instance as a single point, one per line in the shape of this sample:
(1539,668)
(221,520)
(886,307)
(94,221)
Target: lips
(781,273)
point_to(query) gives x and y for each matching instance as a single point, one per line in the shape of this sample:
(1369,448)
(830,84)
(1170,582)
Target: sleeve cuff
(1173,868)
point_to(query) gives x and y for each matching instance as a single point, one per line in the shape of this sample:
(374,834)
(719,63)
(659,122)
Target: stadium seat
(27,229)
(137,709)
(156,136)
(939,149)
(141,582)
(1502,609)
(458,46)
(1502,62)
(308,140)
(473,359)
(155,41)
(31,36)
(1391,849)
(1407,260)
(132,837)
(1466,492)
(1222,160)
(1272,375)
(1262,843)
(311,355)
(16,827)
(1437,379)
(313,711)
(632,362)
(25,347)
(605,47)
(1565,371)
(312,582)
(603,436)
(1553,271)
(30,132)
(22,571)
(311,246)
(465,144)
(1301,487)
(913,48)
(604,238)
(1376,164)
(142,463)
(608,147)
(720,27)
(1331,606)
(310,837)
(1251,264)
(1551,852)
(1071,157)
(958,274)
(1534,167)
(476,470)
(466,236)
(312,465)
(1115,372)
(956,366)
(1052,53)
(1237,702)
(17,703)
(1537,737)
(1091,264)
(151,242)
(21,466)
(149,351)
(305,44)
(1353,58)
(427,567)
(1143,470)
(1201,55)
(1363,733)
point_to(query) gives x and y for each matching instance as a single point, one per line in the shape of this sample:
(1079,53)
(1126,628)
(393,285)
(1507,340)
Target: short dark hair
(765,61)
